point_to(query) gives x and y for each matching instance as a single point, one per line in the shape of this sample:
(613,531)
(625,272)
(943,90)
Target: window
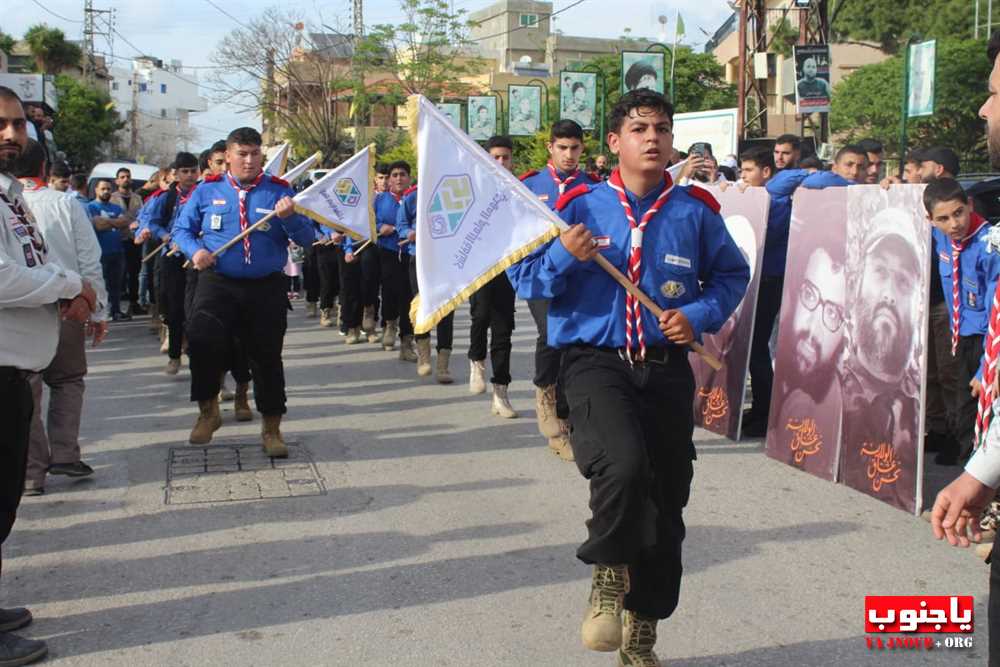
(114,85)
(163,89)
(528,20)
(142,87)
(163,113)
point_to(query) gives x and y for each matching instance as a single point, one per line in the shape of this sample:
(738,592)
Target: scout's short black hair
(203,159)
(60,170)
(643,98)
(993,48)
(120,170)
(635,73)
(218,147)
(566,129)
(29,164)
(244,136)
(793,139)
(871,146)
(398,164)
(850,149)
(500,141)
(942,190)
(381,168)
(78,181)
(185,160)
(762,156)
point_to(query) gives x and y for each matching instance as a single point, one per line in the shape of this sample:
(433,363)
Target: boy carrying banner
(627,378)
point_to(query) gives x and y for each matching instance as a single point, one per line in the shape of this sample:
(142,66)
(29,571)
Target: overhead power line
(225,13)
(58,16)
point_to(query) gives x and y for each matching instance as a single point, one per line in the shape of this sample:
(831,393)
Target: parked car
(985,192)
(107,170)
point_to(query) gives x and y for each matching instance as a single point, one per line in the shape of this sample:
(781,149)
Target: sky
(189,30)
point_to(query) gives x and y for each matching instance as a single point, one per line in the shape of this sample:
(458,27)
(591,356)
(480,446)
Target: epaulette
(280,181)
(154,194)
(409,190)
(528,174)
(705,197)
(570,195)
(212,178)
(594,176)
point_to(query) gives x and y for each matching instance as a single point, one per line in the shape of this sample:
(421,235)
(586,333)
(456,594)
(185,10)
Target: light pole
(666,49)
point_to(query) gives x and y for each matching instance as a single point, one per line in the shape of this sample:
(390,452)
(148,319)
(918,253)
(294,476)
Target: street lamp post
(666,49)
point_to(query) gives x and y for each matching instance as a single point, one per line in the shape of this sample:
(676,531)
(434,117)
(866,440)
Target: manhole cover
(230,472)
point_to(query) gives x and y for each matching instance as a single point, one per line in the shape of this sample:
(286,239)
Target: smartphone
(701,148)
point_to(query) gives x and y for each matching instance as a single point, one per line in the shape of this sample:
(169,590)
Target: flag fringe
(313,215)
(488,275)
(371,192)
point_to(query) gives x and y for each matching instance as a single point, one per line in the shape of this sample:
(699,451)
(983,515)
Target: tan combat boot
(368,320)
(324,318)
(241,403)
(638,640)
(173,367)
(561,447)
(353,336)
(443,374)
(423,356)
(545,410)
(311,309)
(164,339)
(274,444)
(208,422)
(477,377)
(389,335)
(602,625)
(406,352)
(501,403)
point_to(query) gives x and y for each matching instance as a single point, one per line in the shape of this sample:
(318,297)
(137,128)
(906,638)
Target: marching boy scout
(243,290)
(627,378)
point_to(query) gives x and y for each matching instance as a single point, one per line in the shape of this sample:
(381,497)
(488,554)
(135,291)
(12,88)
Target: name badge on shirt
(218,202)
(263,210)
(543,197)
(602,241)
(683,262)
(216,222)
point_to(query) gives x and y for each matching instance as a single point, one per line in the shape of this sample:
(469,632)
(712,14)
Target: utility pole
(134,138)
(91,29)
(359,71)
(752,41)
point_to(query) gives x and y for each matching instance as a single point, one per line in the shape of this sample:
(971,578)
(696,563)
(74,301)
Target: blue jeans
(113,267)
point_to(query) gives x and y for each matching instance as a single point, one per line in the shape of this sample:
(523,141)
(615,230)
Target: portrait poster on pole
(525,110)
(578,97)
(482,116)
(812,78)
(920,90)
(452,111)
(719,394)
(642,69)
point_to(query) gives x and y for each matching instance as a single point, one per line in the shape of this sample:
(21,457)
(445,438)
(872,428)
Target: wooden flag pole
(652,306)
(362,247)
(154,253)
(239,237)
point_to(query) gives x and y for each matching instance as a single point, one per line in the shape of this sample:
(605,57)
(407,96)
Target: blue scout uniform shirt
(110,239)
(779,218)
(821,180)
(214,213)
(152,215)
(386,206)
(406,216)
(980,267)
(689,262)
(543,185)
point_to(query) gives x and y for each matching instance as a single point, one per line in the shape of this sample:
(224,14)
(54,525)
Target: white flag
(301,168)
(474,218)
(343,199)
(278,162)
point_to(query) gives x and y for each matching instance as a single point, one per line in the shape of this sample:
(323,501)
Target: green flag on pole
(678,28)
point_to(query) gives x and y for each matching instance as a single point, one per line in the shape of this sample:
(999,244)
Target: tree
(891,22)
(50,49)
(6,42)
(426,54)
(84,123)
(868,102)
(298,80)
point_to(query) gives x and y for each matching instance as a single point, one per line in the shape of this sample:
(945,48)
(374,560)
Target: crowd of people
(613,387)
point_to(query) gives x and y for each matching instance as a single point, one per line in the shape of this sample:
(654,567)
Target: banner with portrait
(920,79)
(812,78)
(452,111)
(847,402)
(642,69)
(578,98)
(719,394)
(524,110)
(482,116)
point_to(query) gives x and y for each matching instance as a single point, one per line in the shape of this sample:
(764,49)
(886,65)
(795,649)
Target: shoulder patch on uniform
(528,174)
(280,181)
(594,176)
(409,190)
(705,197)
(570,195)
(157,193)
(212,178)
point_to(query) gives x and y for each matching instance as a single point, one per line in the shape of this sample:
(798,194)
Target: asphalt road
(440,535)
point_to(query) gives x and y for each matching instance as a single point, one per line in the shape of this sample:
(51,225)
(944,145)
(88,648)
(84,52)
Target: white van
(107,171)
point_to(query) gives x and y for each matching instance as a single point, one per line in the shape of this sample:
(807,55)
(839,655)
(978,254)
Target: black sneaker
(755,428)
(14,619)
(78,469)
(16,651)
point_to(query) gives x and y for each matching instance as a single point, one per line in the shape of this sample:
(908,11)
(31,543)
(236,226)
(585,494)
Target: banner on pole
(719,395)
(474,218)
(278,163)
(812,78)
(920,90)
(299,170)
(343,199)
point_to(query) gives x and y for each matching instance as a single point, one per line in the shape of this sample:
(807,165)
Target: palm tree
(50,49)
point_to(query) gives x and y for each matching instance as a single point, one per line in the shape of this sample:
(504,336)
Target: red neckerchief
(33,183)
(633,309)
(241,191)
(956,250)
(560,183)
